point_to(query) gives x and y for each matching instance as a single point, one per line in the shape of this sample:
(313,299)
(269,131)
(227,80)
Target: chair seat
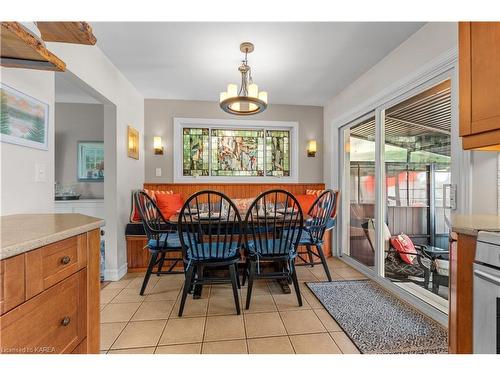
(214,251)
(267,249)
(167,241)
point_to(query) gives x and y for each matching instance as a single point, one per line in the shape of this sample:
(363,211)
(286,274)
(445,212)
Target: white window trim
(182,122)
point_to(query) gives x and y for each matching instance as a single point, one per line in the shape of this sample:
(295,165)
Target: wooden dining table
(285,287)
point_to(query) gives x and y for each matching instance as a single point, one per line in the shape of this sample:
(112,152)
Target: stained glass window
(237,152)
(278,153)
(195,152)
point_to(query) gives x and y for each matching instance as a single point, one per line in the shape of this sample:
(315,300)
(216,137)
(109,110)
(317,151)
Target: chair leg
(232,273)
(187,287)
(310,255)
(198,289)
(245,271)
(251,275)
(296,284)
(323,260)
(160,265)
(152,262)
(237,276)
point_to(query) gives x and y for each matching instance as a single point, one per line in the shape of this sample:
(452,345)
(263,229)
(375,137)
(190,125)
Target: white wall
(159,115)
(90,65)
(20,193)
(427,44)
(75,122)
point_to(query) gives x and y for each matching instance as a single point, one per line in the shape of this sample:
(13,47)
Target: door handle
(488,277)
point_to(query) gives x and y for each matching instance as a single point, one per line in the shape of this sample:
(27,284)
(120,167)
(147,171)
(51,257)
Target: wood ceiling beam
(67,32)
(21,49)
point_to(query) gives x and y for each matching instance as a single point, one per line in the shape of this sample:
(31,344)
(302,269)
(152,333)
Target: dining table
(284,285)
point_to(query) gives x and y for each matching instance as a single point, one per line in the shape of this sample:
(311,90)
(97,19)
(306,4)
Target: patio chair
(210,230)
(320,218)
(395,268)
(273,226)
(162,237)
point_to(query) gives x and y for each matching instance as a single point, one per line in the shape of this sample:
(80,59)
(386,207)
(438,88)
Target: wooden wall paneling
(12,288)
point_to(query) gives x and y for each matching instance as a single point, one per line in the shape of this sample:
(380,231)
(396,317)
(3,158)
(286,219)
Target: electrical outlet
(40,172)
(158,172)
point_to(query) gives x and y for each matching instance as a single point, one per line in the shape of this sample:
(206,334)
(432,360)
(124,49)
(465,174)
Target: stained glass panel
(195,152)
(237,152)
(278,153)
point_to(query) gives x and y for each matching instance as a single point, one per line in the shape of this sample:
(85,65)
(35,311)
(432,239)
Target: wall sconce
(157,146)
(311,149)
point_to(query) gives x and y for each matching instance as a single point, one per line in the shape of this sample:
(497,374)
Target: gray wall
(485,182)
(77,122)
(158,121)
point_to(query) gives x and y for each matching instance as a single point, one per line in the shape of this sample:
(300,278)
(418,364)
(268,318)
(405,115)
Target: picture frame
(90,161)
(132,143)
(24,120)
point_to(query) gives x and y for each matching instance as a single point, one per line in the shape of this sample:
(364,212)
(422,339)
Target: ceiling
(297,63)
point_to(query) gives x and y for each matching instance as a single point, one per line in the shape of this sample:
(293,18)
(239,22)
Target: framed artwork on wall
(90,161)
(24,120)
(133,143)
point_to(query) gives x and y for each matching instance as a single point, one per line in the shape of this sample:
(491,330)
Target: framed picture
(24,120)
(133,143)
(90,160)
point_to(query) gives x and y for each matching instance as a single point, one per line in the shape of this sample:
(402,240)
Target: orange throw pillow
(169,204)
(305,202)
(403,244)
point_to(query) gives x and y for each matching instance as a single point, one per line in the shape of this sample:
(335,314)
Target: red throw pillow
(403,244)
(135,217)
(305,202)
(169,204)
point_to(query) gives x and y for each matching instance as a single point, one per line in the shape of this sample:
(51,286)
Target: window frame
(182,123)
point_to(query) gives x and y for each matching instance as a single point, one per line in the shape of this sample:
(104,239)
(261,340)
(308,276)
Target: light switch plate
(158,172)
(40,172)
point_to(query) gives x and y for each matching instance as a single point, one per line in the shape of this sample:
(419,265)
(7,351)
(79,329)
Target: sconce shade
(311,148)
(157,145)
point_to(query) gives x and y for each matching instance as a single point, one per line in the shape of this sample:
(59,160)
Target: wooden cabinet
(462,252)
(479,72)
(49,300)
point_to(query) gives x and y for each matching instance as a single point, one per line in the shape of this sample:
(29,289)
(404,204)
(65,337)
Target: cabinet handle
(65,259)
(66,320)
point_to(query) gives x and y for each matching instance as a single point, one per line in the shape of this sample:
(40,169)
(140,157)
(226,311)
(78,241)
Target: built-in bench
(138,254)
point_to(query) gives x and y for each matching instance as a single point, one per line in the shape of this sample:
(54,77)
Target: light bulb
(263,96)
(223,96)
(253,90)
(232,90)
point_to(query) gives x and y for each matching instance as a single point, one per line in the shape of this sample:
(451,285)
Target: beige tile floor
(274,323)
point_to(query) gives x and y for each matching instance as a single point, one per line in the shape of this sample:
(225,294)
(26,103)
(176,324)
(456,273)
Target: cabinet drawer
(52,322)
(12,288)
(50,264)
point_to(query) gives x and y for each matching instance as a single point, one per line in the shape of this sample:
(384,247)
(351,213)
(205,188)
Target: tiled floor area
(131,323)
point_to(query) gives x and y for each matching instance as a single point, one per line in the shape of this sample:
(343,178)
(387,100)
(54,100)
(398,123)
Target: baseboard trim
(115,274)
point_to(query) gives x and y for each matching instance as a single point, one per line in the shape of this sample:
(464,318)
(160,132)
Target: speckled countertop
(22,233)
(471,224)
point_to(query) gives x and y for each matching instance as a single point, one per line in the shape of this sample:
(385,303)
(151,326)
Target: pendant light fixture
(248,100)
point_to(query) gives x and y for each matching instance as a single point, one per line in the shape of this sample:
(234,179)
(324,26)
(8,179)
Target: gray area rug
(378,322)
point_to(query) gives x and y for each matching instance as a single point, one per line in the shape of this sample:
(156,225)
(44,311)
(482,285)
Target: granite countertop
(22,233)
(472,224)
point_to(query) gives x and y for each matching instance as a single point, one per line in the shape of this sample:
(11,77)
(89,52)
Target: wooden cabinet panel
(485,76)
(53,322)
(50,264)
(462,255)
(12,289)
(93,315)
(479,74)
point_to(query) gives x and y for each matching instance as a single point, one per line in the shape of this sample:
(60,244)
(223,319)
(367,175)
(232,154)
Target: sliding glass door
(359,147)
(397,180)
